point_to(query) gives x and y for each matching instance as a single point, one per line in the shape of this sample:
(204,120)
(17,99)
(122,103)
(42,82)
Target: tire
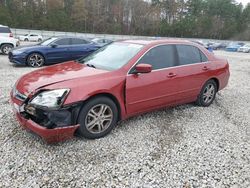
(39,40)
(35,60)
(207,94)
(5,48)
(98,127)
(26,40)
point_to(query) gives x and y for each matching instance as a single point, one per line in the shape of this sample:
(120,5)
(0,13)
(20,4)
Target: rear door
(192,72)
(33,37)
(60,52)
(155,89)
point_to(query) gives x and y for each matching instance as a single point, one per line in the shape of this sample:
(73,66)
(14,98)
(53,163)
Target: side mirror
(143,68)
(53,45)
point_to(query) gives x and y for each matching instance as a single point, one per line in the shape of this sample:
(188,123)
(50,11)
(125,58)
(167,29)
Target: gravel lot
(185,146)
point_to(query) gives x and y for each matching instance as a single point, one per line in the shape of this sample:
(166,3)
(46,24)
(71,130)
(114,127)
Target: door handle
(171,75)
(205,68)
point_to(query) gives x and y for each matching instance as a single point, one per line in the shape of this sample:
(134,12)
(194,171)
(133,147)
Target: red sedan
(89,96)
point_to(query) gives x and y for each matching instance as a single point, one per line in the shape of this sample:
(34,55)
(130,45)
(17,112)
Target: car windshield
(112,57)
(48,41)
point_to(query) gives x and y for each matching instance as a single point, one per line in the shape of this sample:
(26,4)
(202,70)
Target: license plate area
(18,108)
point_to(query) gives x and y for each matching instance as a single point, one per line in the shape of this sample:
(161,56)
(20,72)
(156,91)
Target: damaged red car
(89,96)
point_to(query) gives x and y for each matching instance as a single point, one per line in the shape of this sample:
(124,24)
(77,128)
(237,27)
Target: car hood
(31,82)
(28,48)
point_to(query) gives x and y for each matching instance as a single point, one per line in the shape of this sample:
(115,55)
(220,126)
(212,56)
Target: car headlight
(51,98)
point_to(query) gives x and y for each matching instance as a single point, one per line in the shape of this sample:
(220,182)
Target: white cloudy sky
(244,2)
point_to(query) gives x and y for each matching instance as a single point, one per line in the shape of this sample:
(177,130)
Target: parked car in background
(234,46)
(204,44)
(123,79)
(53,50)
(7,43)
(245,48)
(102,42)
(5,31)
(31,37)
(218,46)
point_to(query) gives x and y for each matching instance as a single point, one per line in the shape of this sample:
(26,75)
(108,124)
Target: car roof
(3,26)
(66,36)
(69,36)
(158,41)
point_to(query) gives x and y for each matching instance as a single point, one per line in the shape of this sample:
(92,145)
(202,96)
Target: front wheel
(207,94)
(35,60)
(6,48)
(97,118)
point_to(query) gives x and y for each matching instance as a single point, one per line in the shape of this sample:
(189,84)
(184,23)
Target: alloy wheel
(209,93)
(36,60)
(99,118)
(7,49)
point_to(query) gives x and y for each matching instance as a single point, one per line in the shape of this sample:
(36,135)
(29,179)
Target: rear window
(190,55)
(5,30)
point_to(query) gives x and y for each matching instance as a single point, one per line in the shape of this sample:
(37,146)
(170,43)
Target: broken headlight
(51,98)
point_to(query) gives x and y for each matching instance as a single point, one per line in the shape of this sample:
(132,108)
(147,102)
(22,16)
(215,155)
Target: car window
(65,41)
(5,30)
(76,41)
(189,54)
(160,57)
(99,41)
(203,57)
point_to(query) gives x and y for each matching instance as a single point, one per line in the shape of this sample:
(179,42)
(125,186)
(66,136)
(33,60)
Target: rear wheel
(207,94)
(39,40)
(6,48)
(35,60)
(26,39)
(97,118)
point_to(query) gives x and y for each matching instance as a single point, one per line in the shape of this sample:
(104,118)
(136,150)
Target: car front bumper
(50,135)
(18,59)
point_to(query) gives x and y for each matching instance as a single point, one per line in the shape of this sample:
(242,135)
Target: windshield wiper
(90,65)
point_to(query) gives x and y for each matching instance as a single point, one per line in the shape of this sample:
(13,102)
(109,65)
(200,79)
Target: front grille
(10,55)
(19,95)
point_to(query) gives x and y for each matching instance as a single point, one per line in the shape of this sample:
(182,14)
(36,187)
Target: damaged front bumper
(51,125)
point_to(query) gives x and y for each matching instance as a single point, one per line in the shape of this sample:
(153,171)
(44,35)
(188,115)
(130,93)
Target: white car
(7,43)
(31,37)
(5,31)
(245,48)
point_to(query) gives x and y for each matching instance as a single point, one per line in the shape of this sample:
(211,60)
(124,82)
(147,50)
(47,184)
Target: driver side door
(156,89)
(60,52)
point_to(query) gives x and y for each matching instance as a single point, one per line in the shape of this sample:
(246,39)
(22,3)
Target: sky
(244,2)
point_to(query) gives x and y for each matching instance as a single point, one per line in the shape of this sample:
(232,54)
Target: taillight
(11,34)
